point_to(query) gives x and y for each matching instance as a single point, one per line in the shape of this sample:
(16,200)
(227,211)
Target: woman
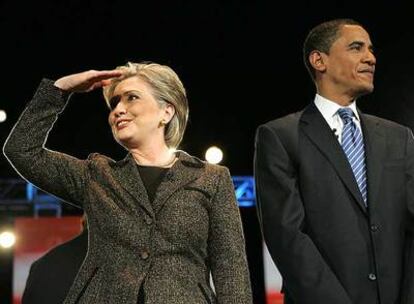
(159,220)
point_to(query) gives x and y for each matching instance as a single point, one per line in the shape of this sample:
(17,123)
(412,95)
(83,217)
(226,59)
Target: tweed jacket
(168,247)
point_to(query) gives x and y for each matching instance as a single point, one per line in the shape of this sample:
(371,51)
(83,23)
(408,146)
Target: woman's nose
(119,110)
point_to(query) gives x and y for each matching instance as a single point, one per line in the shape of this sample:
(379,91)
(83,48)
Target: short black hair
(321,38)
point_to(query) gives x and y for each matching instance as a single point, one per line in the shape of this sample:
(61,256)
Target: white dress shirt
(329,111)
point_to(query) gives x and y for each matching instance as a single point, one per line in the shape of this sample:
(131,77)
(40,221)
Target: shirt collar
(329,108)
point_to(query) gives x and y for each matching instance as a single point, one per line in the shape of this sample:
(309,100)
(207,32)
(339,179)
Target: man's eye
(356,47)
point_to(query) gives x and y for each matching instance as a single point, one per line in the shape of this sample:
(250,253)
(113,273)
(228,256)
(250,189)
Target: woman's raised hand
(86,81)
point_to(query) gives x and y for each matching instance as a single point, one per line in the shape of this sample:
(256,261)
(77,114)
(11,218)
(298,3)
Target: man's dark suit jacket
(52,275)
(330,248)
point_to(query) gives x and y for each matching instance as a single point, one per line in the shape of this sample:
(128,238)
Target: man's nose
(370,58)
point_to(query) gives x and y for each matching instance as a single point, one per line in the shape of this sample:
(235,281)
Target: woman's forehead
(133,83)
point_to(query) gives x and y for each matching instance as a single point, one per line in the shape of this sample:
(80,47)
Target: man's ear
(318,61)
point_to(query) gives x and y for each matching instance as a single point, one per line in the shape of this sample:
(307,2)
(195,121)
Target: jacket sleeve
(226,246)
(307,278)
(410,178)
(59,174)
(29,292)
(408,286)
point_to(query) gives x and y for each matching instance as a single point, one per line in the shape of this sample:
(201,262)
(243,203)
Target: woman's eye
(132,97)
(114,101)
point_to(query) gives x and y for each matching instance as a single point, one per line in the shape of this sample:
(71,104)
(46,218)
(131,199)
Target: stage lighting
(7,239)
(3,116)
(214,155)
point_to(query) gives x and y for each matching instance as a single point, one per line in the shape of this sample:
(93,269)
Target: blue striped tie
(353,146)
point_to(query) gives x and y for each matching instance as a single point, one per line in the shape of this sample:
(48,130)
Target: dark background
(240,61)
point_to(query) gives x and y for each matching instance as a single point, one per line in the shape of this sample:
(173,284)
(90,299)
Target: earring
(162,123)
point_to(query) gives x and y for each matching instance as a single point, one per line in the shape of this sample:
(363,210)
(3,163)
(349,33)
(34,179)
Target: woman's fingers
(103,75)
(100,79)
(86,81)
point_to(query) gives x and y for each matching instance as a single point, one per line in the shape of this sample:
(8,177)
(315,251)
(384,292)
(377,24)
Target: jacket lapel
(318,131)
(127,174)
(185,170)
(374,154)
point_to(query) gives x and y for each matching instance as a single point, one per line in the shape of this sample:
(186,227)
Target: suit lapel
(184,171)
(127,174)
(318,131)
(374,154)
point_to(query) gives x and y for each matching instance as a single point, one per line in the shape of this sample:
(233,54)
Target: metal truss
(13,196)
(18,195)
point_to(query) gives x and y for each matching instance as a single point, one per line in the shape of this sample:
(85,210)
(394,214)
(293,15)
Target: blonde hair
(166,87)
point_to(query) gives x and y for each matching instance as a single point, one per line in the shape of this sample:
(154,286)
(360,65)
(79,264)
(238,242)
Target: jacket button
(148,220)
(169,175)
(372,277)
(374,228)
(144,254)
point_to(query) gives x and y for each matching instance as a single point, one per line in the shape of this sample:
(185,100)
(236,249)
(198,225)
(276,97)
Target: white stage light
(3,116)
(214,155)
(7,239)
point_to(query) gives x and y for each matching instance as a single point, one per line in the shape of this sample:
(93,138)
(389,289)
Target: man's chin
(366,90)
(369,90)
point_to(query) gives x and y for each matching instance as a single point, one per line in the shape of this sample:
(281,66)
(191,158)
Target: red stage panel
(34,237)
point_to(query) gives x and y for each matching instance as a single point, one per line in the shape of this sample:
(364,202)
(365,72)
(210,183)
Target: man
(334,185)
(52,275)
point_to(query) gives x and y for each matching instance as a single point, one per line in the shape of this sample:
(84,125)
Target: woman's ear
(169,111)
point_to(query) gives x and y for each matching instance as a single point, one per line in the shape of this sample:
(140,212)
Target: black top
(151,177)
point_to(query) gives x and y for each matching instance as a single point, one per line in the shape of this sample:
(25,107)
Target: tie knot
(346,114)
